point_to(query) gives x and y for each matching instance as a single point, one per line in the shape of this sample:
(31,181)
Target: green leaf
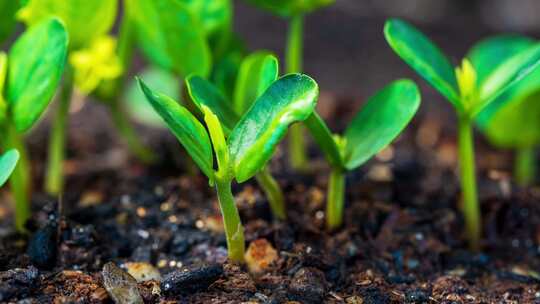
(187,129)
(257,72)
(289,99)
(7,22)
(424,57)
(8,161)
(510,72)
(36,63)
(516,124)
(203,93)
(325,140)
(380,121)
(218,137)
(170,36)
(214,15)
(84,20)
(139,107)
(489,53)
(289,8)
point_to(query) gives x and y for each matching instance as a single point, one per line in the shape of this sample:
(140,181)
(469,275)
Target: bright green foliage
(29,76)
(8,22)
(289,8)
(8,161)
(138,106)
(170,36)
(257,72)
(375,126)
(36,62)
(470,88)
(84,20)
(250,145)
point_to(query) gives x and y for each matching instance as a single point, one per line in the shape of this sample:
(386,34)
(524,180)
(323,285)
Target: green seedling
(294,11)
(28,81)
(8,21)
(8,161)
(249,146)
(257,72)
(512,120)
(92,60)
(469,89)
(374,127)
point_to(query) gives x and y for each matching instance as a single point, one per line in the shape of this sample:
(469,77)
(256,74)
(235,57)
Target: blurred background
(345,49)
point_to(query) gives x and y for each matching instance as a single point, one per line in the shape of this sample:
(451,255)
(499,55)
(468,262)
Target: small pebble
(120,285)
(42,247)
(308,286)
(141,271)
(260,256)
(191,280)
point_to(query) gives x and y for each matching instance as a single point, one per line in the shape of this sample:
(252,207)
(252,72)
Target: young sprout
(257,72)
(249,146)
(375,126)
(294,11)
(8,161)
(91,61)
(469,89)
(28,81)
(512,120)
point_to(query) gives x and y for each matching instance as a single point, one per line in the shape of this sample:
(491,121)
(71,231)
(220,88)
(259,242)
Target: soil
(402,240)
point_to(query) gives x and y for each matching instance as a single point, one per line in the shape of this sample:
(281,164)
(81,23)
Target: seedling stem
(273,192)
(525,166)
(293,60)
(335,199)
(234,231)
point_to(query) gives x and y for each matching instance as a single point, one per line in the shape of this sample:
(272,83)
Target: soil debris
(120,285)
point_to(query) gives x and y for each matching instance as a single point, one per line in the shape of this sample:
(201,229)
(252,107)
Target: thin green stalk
(525,165)
(335,199)
(293,60)
(273,193)
(21,178)
(471,208)
(234,231)
(54,180)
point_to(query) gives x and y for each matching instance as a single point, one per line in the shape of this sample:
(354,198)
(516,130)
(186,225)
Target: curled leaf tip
(466,79)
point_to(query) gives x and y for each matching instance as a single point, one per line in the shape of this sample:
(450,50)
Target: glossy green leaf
(257,72)
(7,22)
(187,129)
(84,20)
(8,161)
(516,124)
(289,8)
(380,121)
(510,72)
(489,53)
(424,57)
(217,136)
(203,93)
(325,140)
(139,107)
(213,15)
(36,63)
(289,99)
(170,36)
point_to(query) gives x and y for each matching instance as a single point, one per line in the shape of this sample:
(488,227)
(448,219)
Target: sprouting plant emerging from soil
(257,72)
(469,88)
(379,121)
(294,11)
(512,120)
(28,80)
(249,146)
(8,161)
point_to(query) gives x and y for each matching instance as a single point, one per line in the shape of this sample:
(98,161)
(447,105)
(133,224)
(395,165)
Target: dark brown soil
(402,241)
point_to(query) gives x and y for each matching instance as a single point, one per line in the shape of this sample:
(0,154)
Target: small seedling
(249,146)
(469,88)
(294,11)
(512,120)
(375,126)
(257,72)
(28,81)
(8,161)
